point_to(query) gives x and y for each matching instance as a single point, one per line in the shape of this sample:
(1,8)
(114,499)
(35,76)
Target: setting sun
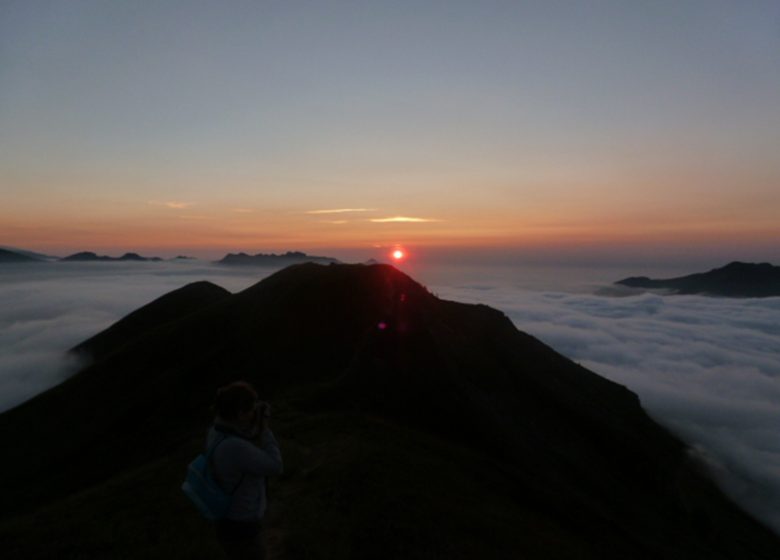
(398,254)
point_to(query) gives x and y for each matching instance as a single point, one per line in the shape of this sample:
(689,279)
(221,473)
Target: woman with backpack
(244,453)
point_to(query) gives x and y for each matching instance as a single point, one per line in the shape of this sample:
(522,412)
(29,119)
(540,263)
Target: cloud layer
(707,368)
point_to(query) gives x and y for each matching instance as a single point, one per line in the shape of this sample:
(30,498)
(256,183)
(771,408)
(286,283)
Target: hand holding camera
(263,414)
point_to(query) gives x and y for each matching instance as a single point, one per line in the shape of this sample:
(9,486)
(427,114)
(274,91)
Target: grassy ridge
(354,487)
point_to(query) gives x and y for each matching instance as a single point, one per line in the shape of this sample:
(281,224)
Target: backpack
(201,488)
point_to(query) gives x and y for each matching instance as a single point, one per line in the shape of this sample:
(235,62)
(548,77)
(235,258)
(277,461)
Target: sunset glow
(477,131)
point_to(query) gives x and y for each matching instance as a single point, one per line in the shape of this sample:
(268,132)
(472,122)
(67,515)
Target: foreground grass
(354,487)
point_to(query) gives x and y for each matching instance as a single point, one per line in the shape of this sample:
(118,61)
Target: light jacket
(240,467)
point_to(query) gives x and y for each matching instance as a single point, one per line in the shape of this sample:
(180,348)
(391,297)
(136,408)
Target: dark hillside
(412,428)
(170,307)
(736,279)
(7,256)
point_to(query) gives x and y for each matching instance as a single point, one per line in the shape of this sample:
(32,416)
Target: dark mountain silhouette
(89,256)
(169,307)
(137,257)
(412,427)
(285,259)
(7,256)
(26,253)
(736,279)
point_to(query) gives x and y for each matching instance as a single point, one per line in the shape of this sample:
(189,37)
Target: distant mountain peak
(272,259)
(8,256)
(32,254)
(87,256)
(736,279)
(739,265)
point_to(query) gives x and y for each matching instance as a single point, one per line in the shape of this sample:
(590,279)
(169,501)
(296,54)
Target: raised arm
(262,460)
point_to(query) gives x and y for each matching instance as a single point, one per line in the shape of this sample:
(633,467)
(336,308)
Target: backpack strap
(226,433)
(210,451)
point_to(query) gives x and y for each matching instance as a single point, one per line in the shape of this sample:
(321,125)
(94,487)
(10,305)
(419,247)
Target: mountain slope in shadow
(412,427)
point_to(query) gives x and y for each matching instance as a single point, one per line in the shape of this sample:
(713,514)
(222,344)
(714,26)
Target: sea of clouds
(707,368)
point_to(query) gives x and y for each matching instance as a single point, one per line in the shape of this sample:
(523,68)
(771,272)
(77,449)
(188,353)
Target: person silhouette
(245,453)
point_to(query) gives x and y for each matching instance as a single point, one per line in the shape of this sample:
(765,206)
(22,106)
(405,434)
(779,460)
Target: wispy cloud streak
(341,210)
(402,219)
(176,205)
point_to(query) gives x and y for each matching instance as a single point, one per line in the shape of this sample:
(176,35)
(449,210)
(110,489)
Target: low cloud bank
(707,368)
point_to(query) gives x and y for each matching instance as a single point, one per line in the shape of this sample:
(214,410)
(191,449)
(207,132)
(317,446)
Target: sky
(550,129)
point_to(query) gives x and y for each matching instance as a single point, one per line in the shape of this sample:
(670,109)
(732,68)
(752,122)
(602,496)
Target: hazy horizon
(682,260)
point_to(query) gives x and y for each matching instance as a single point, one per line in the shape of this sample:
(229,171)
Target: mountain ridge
(736,279)
(272,259)
(11,256)
(377,386)
(89,256)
